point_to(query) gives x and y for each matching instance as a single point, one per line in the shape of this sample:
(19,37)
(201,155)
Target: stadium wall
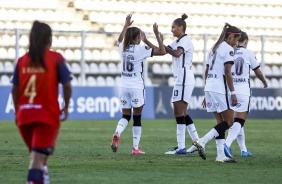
(103,103)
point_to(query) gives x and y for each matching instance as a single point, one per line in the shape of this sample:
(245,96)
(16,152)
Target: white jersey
(182,66)
(132,65)
(216,80)
(244,60)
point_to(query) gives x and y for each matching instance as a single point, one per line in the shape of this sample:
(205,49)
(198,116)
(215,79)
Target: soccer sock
(191,128)
(209,136)
(180,131)
(241,140)
(46,179)
(220,147)
(217,131)
(122,124)
(136,131)
(233,133)
(35,176)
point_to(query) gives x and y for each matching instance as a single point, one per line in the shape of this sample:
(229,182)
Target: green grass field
(83,155)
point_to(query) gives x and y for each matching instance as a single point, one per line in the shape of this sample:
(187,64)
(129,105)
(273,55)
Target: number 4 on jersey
(30,89)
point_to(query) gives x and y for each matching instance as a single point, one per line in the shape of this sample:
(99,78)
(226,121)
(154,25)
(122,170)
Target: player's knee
(136,120)
(127,117)
(239,120)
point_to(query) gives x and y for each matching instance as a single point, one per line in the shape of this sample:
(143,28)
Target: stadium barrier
(103,103)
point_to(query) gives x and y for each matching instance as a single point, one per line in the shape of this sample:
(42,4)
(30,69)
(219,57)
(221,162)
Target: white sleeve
(146,51)
(185,45)
(229,55)
(253,61)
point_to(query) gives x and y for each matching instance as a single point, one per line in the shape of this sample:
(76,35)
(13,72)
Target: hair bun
(184,16)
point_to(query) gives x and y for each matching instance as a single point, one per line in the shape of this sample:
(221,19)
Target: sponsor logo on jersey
(146,47)
(239,53)
(231,53)
(238,105)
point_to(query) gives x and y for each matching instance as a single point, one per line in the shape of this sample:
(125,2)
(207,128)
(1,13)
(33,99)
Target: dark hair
(244,36)
(130,35)
(39,38)
(181,21)
(227,30)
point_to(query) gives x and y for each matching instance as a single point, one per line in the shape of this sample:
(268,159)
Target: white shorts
(243,103)
(182,93)
(217,102)
(130,97)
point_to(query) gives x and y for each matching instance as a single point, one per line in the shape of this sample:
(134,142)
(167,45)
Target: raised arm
(161,49)
(127,23)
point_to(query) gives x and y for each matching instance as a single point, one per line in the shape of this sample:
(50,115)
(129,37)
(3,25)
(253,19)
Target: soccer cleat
(227,151)
(192,149)
(115,142)
(225,159)
(246,154)
(137,152)
(175,151)
(201,148)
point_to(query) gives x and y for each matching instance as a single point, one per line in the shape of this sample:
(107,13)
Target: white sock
(209,136)
(233,133)
(122,124)
(180,135)
(46,179)
(220,147)
(192,132)
(241,140)
(136,131)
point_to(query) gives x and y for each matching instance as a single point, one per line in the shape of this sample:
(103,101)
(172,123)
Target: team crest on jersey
(123,102)
(231,53)
(135,100)
(146,47)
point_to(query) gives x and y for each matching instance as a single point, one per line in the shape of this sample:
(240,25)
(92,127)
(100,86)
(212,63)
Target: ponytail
(226,31)
(39,39)
(130,35)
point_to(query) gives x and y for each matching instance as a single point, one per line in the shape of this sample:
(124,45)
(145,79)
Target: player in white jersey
(132,88)
(181,51)
(244,60)
(218,84)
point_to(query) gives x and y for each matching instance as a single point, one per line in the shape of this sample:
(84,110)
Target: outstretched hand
(128,20)
(156,29)
(143,36)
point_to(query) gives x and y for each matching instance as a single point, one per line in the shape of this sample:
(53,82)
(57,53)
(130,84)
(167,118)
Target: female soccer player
(132,91)
(244,59)
(218,84)
(181,51)
(35,95)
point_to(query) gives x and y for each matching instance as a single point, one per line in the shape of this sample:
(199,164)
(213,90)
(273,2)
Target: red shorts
(39,137)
